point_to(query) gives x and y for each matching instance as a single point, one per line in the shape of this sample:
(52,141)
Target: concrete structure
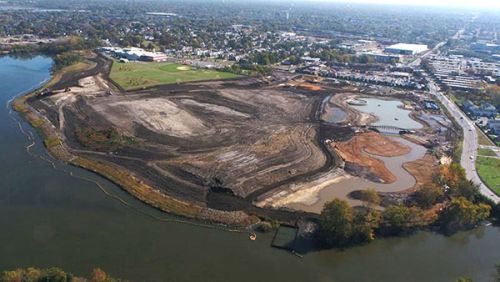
(406,49)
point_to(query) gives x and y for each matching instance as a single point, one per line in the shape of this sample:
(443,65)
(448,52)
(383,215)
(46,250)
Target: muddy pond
(389,113)
(348,184)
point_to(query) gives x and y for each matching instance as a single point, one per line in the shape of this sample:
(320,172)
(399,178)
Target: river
(49,218)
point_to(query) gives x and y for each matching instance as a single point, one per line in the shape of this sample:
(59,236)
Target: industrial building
(406,49)
(135,54)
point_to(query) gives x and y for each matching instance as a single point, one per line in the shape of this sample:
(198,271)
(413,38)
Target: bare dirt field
(236,138)
(234,145)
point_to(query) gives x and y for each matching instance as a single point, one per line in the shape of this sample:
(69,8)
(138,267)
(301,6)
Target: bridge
(387,129)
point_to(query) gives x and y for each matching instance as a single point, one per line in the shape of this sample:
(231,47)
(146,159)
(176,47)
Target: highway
(418,61)
(470,143)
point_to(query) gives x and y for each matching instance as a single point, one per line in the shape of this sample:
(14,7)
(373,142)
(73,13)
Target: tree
(364,225)
(495,212)
(399,218)
(66,59)
(53,274)
(98,275)
(371,196)
(336,223)
(395,217)
(429,195)
(465,188)
(340,225)
(451,174)
(462,214)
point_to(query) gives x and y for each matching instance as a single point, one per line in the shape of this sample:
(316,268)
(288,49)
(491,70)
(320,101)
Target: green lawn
(488,169)
(486,152)
(143,74)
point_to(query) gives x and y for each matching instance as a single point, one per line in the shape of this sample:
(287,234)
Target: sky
(446,3)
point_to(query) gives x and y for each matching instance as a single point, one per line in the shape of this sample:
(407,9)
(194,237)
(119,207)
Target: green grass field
(143,74)
(488,169)
(486,152)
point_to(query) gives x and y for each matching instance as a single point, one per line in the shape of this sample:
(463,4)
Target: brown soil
(357,152)
(423,170)
(310,87)
(188,148)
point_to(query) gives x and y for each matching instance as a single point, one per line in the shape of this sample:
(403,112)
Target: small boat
(396,118)
(253,237)
(378,105)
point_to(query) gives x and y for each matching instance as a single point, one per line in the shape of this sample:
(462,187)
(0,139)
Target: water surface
(389,113)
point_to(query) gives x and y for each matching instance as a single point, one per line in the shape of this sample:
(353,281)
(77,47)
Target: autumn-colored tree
(451,174)
(428,195)
(462,213)
(98,275)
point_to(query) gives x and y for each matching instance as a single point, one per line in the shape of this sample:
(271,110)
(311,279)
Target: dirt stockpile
(358,154)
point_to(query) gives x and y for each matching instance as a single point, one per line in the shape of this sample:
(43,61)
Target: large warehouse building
(406,49)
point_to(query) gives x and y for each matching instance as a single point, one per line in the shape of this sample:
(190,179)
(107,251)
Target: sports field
(143,74)
(488,169)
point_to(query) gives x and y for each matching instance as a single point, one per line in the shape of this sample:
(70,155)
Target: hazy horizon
(494,4)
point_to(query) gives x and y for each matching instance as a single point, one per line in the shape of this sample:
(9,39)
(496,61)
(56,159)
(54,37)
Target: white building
(406,49)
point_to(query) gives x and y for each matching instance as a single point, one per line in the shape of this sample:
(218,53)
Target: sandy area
(214,108)
(158,114)
(303,193)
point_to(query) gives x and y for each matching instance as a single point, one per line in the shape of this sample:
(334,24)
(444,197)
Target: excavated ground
(219,144)
(229,145)
(357,153)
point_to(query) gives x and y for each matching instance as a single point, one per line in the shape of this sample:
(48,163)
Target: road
(417,62)
(470,143)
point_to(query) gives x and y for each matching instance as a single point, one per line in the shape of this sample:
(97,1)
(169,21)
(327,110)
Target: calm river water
(48,218)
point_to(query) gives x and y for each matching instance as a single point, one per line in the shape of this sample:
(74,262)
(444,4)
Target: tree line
(450,203)
(53,274)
